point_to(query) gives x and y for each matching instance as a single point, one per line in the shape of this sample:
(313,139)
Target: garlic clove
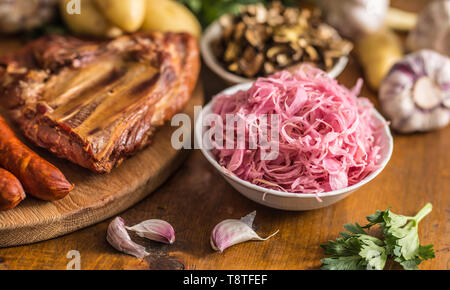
(426,94)
(117,236)
(249,219)
(155,230)
(446,103)
(231,232)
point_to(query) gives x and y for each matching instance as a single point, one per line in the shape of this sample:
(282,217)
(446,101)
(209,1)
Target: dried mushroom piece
(312,53)
(231,52)
(261,41)
(256,35)
(269,68)
(251,62)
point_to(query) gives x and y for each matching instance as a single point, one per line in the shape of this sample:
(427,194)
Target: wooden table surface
(196,198)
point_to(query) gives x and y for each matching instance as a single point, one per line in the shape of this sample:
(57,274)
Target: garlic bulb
(415,95)
(25,15)
(355,18)
(433,28)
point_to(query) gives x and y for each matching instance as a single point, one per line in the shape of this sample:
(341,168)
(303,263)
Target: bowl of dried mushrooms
(260,41)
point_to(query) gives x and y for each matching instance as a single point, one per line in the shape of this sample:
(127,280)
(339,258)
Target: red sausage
(38,177)
(11,191)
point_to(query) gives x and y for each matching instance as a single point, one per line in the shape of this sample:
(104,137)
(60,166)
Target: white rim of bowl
(213,31)
(199,136)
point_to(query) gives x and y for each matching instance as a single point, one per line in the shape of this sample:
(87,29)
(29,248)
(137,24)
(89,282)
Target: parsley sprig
(357,250)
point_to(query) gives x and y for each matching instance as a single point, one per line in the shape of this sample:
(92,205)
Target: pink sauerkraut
(326,133)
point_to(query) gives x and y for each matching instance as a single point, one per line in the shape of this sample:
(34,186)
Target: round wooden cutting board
(96,197)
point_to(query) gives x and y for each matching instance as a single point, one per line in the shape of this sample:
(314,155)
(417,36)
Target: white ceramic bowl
(214,31)
(292,201)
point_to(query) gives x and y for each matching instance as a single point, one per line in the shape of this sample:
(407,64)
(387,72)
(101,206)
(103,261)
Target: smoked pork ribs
(95,103)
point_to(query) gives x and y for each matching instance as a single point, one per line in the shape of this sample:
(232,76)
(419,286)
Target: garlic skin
(231,232)
(155,230)
(433,28)
(415,95)
(355,18)
(117,236)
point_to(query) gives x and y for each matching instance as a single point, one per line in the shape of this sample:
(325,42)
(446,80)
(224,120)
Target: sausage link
(11,191)
(39,178)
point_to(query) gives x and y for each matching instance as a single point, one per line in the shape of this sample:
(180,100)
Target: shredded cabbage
(326,133)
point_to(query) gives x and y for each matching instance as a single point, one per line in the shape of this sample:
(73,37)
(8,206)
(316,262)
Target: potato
(128,15)
(377,53)
(89,22)
(400,20)
(168,15)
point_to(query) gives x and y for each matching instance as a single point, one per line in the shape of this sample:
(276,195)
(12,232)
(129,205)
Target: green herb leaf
(209,10)
(343,263)
(355,251)
(374,219)
(374,253)
(401,234)
(426,252)
(409,264)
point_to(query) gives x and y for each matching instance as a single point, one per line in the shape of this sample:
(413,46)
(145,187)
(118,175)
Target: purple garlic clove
(155,230)
(231,232)
(117,236)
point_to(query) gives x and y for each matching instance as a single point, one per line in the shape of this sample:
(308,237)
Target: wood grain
(95,197)
(196,198)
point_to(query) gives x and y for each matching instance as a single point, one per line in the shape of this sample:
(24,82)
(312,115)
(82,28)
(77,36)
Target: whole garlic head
(24,15)
(355,18)
(415,95)
(433,28)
